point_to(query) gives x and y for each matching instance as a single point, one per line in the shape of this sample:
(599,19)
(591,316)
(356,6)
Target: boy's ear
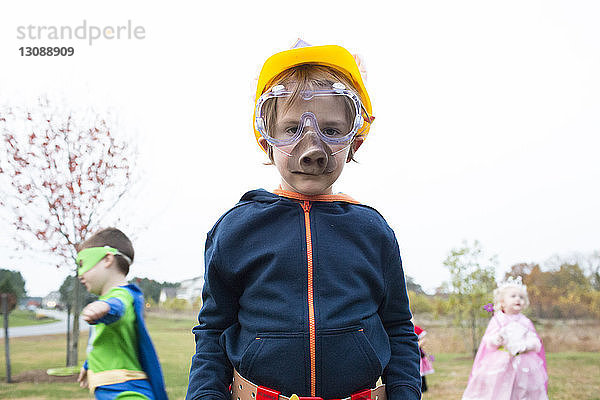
(109,258)
(263,143)
(358,141)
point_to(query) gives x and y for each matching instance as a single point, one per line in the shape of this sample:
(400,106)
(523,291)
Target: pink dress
(426,365)
(505,373)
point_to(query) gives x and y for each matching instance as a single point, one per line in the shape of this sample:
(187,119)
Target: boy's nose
(313,161)
(313,157)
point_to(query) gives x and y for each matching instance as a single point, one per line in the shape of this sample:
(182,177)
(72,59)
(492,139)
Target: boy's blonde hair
(499,294)
(306,77)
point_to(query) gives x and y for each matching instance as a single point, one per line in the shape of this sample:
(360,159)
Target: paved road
(44,329)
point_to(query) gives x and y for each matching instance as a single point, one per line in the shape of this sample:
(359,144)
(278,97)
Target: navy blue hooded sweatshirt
(304,297)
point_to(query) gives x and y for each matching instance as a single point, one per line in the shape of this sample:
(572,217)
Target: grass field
(573,374)
(24,318)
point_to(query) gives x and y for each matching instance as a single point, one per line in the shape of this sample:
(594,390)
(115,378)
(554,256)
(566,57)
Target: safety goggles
(335,115)
(88,258)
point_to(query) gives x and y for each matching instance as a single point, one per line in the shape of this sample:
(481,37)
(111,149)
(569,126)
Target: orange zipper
(311,304)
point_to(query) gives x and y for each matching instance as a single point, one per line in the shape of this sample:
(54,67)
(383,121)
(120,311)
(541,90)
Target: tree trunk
(73,353)
(6,345)
(68,334)
(474,332)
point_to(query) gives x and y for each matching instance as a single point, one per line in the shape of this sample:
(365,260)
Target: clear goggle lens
(335,115)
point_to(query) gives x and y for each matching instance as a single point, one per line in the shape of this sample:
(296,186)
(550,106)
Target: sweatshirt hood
(264,196)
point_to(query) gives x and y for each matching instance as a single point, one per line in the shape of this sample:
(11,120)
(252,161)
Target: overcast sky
(487,118)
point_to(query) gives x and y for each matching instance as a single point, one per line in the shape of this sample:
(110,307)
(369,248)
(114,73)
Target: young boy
(304,291)
(122,363)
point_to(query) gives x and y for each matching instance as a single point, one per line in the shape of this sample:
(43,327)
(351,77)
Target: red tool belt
(243,389)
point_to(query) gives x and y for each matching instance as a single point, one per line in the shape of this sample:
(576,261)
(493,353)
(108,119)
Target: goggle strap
(118,253)
(279,149)
(369,118)
(342,149)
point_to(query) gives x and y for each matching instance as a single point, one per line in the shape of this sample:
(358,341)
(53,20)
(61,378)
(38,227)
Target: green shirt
(114,346)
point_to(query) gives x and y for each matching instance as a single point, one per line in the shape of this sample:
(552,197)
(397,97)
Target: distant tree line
(152,288)
(566,288)
(13,282)
(564,291)
(149,287)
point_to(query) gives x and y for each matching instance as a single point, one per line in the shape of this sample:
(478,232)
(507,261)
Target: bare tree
(62,172)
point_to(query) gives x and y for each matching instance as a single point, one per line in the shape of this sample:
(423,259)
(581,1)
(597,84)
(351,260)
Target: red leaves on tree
(63,173)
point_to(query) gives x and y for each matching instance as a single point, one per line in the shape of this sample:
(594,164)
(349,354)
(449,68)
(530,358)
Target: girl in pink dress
(426,359)
(510,363)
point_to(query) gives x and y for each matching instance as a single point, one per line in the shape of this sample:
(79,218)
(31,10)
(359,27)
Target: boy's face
(312,166)
(91,279)
(95,277)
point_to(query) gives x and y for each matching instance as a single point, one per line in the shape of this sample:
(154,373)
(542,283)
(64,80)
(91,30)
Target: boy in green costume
(122,362)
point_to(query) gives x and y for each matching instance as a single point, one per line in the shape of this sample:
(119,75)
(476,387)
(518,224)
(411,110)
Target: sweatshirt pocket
(349,362)
(277,360)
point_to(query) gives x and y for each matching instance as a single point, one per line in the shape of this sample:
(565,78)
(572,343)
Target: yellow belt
(112,376)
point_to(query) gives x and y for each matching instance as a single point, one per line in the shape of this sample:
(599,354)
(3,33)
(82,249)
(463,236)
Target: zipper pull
(306,206)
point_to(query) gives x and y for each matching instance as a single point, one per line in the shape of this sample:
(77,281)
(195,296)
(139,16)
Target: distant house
(31,303)
(167,293)
(189,290)
(52,300)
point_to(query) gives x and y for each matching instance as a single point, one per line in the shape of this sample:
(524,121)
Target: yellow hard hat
(332,56)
